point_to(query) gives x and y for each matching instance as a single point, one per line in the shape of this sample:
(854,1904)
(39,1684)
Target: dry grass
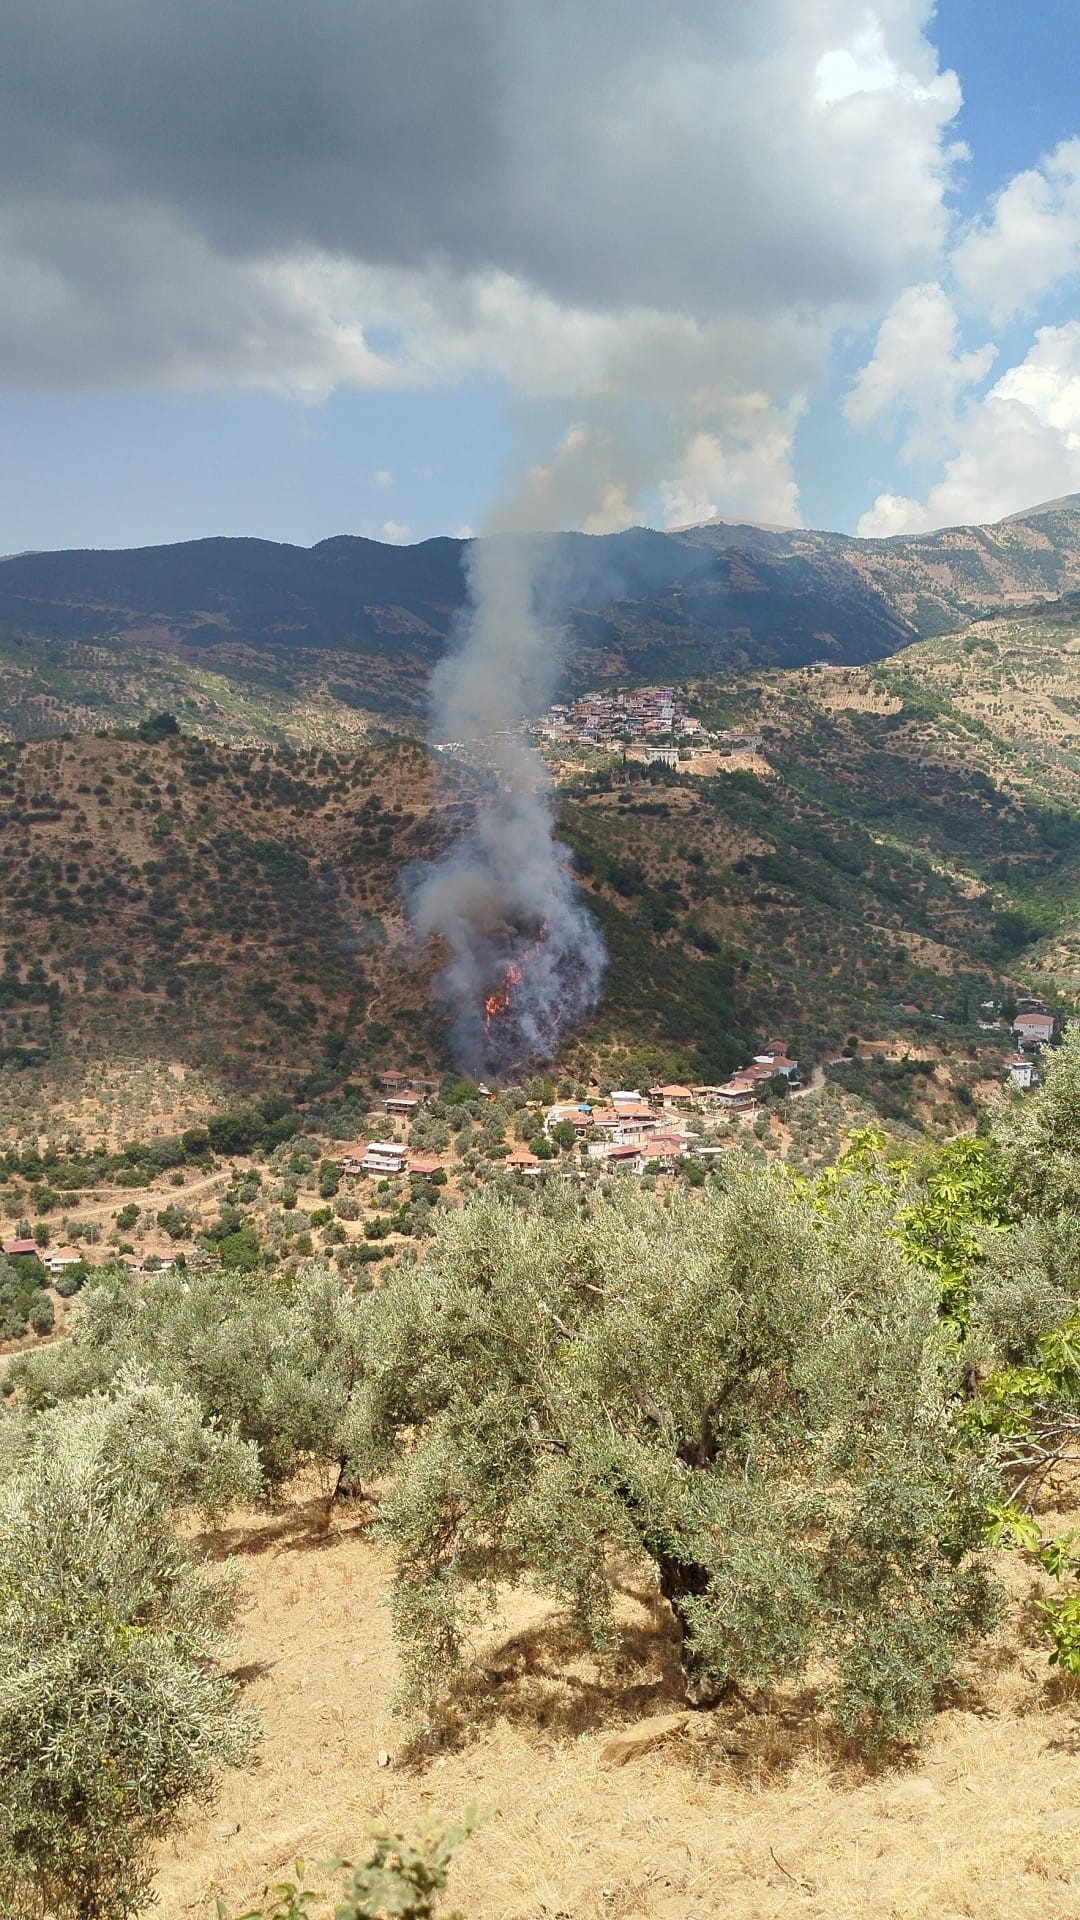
(750,1813)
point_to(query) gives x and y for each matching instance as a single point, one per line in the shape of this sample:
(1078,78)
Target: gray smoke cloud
(526,959)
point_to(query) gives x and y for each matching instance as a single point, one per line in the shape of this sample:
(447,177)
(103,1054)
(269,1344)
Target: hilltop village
(648,723)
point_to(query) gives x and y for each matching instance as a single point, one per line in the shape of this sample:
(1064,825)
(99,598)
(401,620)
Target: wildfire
(498,1001)
(501,997)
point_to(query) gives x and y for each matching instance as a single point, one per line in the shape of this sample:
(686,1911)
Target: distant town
(652,720)
(647,723)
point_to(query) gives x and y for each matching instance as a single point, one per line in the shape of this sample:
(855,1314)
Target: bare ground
(749,1812)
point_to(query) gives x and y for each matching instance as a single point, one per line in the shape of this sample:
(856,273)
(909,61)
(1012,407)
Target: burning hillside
(526,958)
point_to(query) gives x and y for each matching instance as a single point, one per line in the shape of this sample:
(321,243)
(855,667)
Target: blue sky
(598,279)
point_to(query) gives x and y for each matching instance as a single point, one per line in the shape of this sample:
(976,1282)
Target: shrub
(112,1714)
(70,1279)
(399,1880)
(41,1312)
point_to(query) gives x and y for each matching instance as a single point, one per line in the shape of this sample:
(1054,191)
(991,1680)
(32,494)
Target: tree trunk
(682,1580)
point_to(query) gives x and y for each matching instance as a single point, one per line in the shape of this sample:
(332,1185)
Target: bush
(399,1880)
(112,1715)
(41,1312)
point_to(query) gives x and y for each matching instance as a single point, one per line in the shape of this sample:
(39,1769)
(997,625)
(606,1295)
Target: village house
(775,1056)
(1021,1071)
(394,1080)
(662,757)
(1034,1027)
(739,1094)
(353,1163)
(385,1157)
(673,1099)
(667,1148)
(407,1105)
(19,1249)
(634,1124)
(625,1159)
(423,1168)
(579,1116)
(58,1259)
(523,1162)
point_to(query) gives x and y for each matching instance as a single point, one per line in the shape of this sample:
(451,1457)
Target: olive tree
(113,1713)
(276,1362)
(746,1390)
(1041,1140)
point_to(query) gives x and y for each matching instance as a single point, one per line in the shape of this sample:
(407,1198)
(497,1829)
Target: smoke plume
(525,957)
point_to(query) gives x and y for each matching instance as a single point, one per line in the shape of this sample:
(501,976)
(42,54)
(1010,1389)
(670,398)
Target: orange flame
(498,1001)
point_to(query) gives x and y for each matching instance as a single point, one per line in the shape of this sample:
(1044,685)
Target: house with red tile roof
(1036,1025)
(522,1161)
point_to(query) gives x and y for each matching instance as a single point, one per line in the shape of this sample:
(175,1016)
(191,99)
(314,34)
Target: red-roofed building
(17,1249)
(522,1161)
(674,1099)
(58,1258)
(1034,1026)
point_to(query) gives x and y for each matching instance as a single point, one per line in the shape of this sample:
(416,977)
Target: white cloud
(1018,444)
(918,372)
(394,531)
(383,477)
(1030,243)
(745,474)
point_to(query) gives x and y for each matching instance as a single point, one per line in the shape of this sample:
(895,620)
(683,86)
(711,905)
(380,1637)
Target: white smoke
(525,957)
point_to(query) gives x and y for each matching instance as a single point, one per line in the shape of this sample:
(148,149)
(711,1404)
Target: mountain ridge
(368,619)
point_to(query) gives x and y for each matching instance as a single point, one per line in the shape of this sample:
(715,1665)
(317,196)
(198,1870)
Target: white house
(1022,1071)
(1035,1025)
(384,1156)
(406,1104)
(58,1259)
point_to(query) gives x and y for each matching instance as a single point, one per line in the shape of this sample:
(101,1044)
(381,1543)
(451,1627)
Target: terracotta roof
(69,1254)
(19,1246)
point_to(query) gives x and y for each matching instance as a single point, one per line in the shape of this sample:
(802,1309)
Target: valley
(194,929)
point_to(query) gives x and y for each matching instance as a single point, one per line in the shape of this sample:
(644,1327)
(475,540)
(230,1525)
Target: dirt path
(143,1196)
(813,1085)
